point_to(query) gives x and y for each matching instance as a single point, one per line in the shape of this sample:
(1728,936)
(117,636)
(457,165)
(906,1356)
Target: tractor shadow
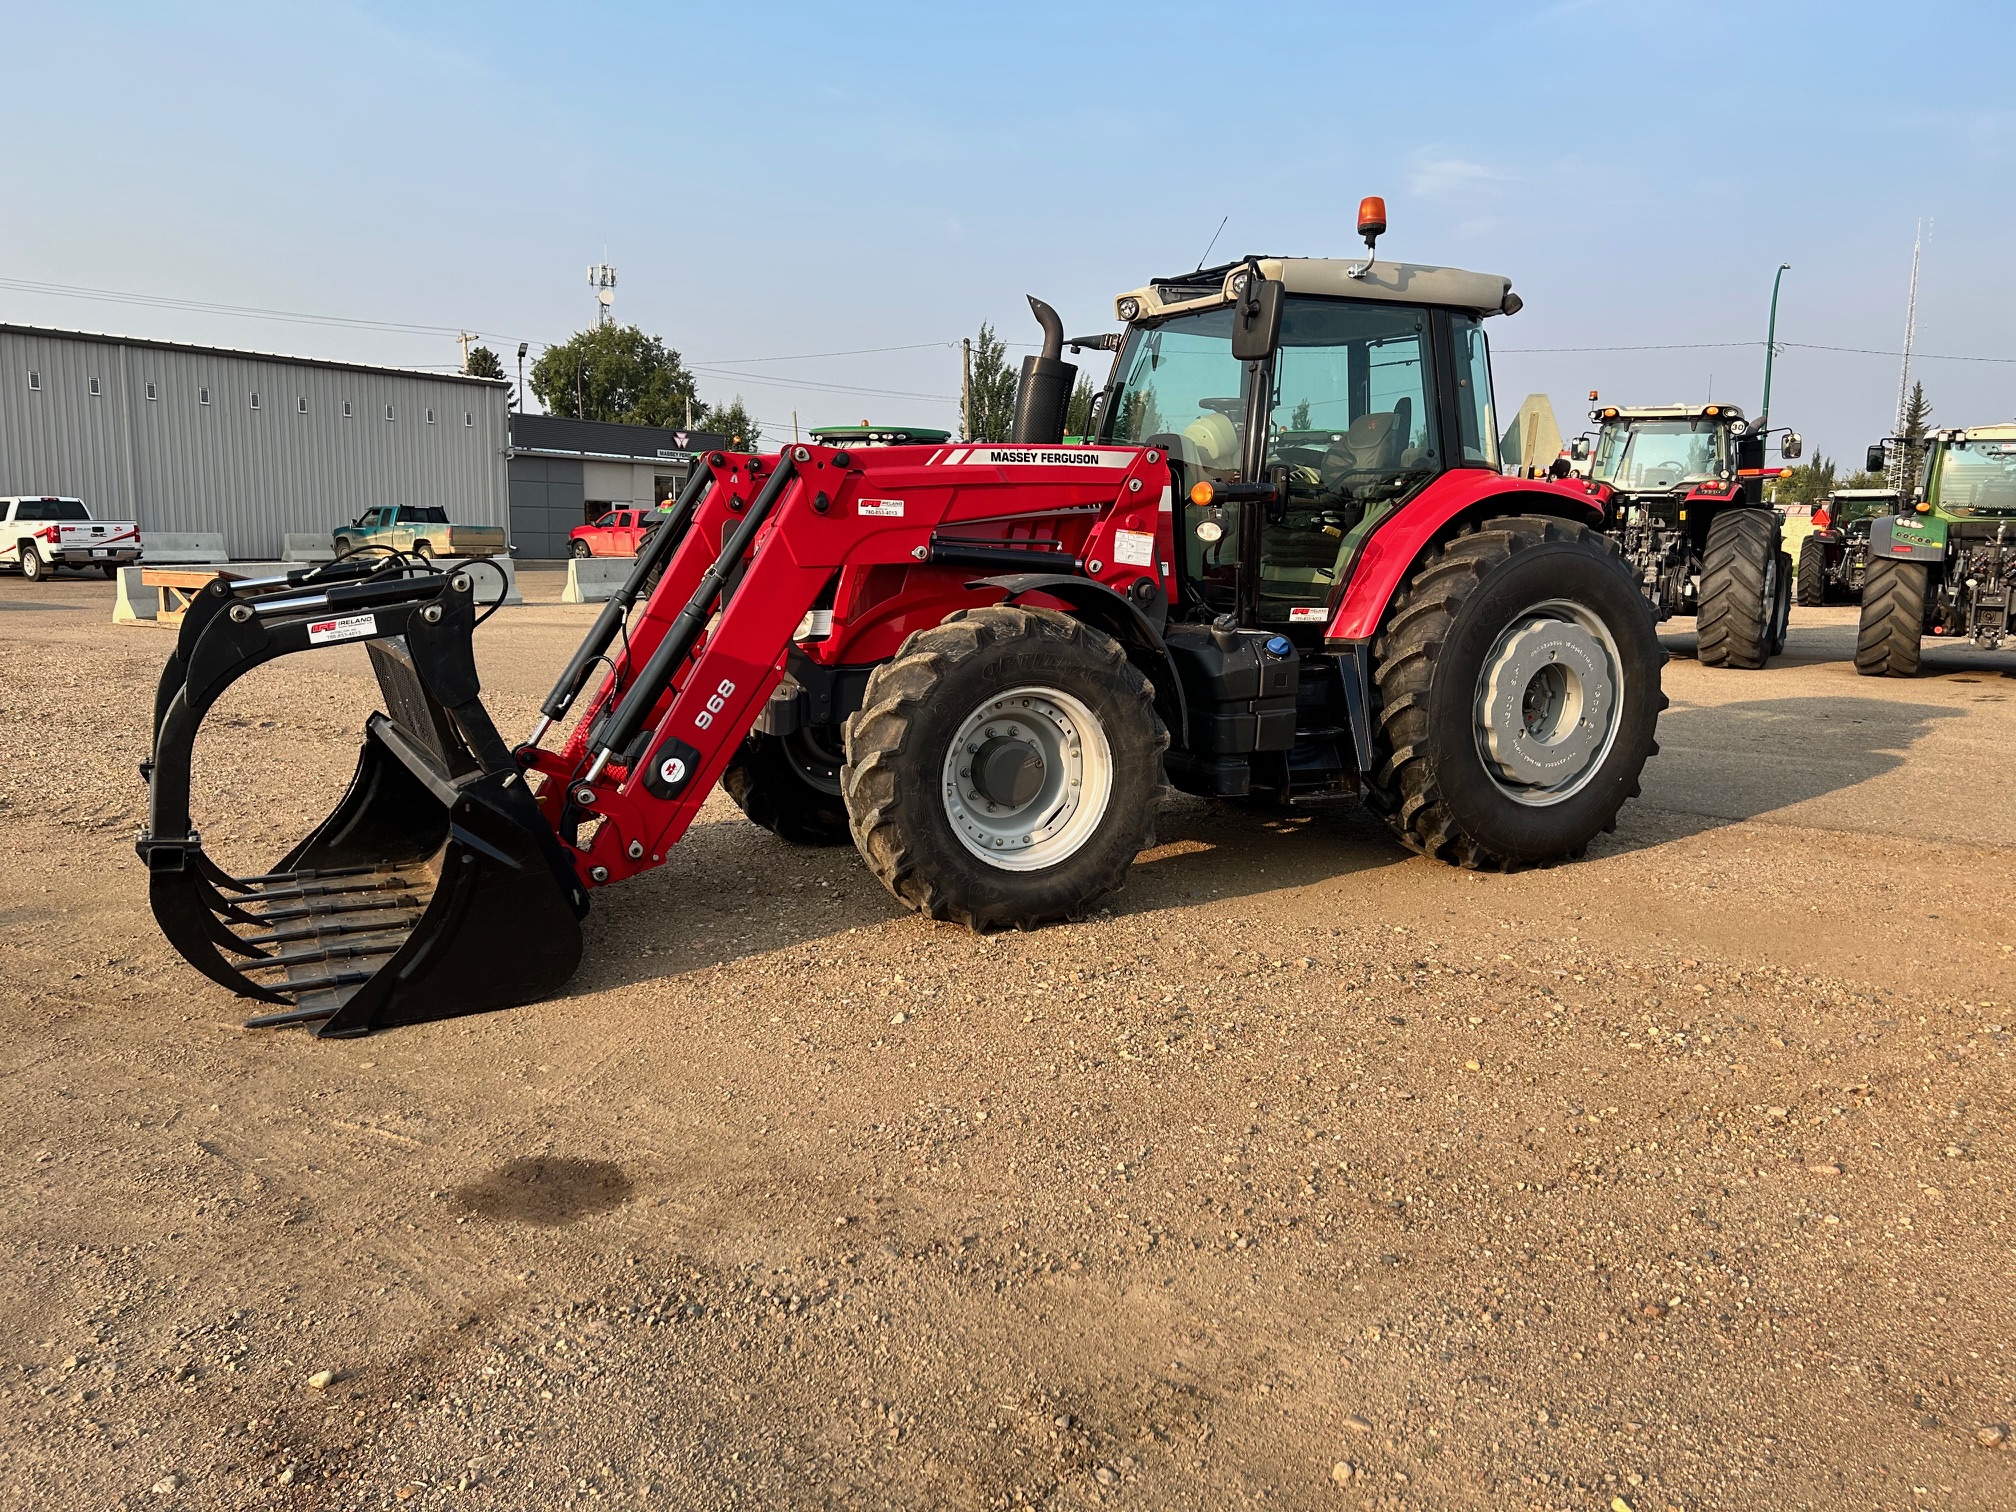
(1722,764)
(732,890)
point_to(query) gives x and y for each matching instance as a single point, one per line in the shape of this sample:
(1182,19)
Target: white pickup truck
(40,534)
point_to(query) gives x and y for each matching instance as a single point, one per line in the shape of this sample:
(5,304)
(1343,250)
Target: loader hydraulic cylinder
(643,694)
(657,550)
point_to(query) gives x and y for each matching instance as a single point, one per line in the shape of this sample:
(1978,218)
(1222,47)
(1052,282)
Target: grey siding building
(255,446)
(568,472)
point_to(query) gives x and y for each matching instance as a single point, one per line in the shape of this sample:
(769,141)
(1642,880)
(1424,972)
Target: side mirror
(1875,461)
(1578,449)
(1256,319)
(1789,446)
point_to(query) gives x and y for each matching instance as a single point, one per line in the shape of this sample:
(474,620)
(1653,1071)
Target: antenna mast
(1898,461)
(602,279)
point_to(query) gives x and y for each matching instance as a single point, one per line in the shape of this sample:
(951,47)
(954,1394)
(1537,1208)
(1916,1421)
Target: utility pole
(520,395)
(1770,351)
(689,412)
(465,337)
(966,389)
(580,411)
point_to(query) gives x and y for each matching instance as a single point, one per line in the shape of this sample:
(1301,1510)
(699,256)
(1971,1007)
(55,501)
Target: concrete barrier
(594,580)
(308,549)
(162,547)
(485,579)
(135,601)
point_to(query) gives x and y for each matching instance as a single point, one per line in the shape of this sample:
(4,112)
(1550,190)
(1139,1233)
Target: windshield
(51,509)
(1978,475)
(1654,454)
(1351,421)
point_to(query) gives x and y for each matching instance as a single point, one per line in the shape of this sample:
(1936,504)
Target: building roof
(565,436)
(55,333)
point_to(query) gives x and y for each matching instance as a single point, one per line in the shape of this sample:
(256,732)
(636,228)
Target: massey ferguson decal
(1032,456)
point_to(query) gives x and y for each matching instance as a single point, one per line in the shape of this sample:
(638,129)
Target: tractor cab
(1302,401)
(1652,457)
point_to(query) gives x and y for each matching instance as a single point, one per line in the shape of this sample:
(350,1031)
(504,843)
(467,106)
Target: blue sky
(774,180)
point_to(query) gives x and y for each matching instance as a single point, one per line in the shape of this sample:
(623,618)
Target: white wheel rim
(1055,748)
(1549,701)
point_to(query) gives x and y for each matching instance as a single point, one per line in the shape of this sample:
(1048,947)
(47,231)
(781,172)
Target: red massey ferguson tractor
(1287,568)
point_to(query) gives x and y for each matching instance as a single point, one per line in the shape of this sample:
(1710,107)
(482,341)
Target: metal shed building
(252,445)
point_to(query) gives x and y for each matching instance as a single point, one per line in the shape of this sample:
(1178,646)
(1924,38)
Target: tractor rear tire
(791,787)
(1812,573)
(1455,630)
(1781,615)
(1073,750)
(1741,571)
(1892,630)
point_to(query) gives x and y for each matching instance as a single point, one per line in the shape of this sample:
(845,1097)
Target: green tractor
(1946,566)
(1834,555)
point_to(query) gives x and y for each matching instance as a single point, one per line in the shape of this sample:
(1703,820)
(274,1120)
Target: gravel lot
(1310,1175)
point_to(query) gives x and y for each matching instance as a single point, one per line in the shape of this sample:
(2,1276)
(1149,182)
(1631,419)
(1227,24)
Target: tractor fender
(1908,538)
(1122,617)
(1445,504)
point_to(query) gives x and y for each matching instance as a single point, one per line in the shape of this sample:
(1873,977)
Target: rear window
(51,509)
(427,516)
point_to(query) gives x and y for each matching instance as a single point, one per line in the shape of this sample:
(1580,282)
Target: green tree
(734,422)
(1078,417)
(484,363)
(1910,453)
(614,373)
(990,396)
(1805,485)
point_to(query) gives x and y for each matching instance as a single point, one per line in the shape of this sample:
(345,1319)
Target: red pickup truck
(617,534)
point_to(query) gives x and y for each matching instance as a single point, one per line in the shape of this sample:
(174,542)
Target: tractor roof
(1863,493)
(2006,431)
(1387,282)
(1669,412)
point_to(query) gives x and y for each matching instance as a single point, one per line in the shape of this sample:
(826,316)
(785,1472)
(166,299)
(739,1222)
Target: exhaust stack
(1043,398)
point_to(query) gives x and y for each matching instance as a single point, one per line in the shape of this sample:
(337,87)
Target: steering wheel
(1232,409)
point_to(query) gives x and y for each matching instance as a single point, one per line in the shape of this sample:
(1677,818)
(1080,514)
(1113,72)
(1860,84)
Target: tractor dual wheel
(1517,679)
(1005,768)
(1746,590)
(1812,575)
(790,784)
(1891,633)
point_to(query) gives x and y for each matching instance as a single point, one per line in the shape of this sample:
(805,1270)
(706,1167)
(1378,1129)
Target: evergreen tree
(733,421)
(1078,418)
(1910,454)
(990,396)
(484,363)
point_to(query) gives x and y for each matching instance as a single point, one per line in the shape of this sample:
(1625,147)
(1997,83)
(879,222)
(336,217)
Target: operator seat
(1373,444)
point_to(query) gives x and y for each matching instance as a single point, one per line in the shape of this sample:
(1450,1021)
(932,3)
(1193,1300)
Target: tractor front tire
(1892,630)
(1781,611)
(1812,573)
(1005,768)
(790,785)
(1741,572)
(1517,684)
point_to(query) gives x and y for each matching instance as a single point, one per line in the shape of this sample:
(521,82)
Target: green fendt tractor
(1834,555)
(1946,565)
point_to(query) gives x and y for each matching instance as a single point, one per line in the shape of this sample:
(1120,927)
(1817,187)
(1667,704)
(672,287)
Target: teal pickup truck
(421,529)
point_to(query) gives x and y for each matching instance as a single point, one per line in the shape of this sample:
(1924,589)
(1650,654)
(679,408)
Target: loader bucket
(435,888)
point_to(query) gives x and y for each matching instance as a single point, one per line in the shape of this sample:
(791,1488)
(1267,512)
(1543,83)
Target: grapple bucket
(435,888)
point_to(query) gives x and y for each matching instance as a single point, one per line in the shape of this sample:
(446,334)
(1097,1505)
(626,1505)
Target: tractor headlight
(1128,309)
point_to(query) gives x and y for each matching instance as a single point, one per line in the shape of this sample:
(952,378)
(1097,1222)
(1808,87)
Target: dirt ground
(1310,1175)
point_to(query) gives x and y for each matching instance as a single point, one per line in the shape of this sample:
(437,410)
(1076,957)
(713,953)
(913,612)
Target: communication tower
(602,279)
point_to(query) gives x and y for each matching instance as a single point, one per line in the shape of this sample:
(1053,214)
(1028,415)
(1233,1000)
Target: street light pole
(1770,351)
